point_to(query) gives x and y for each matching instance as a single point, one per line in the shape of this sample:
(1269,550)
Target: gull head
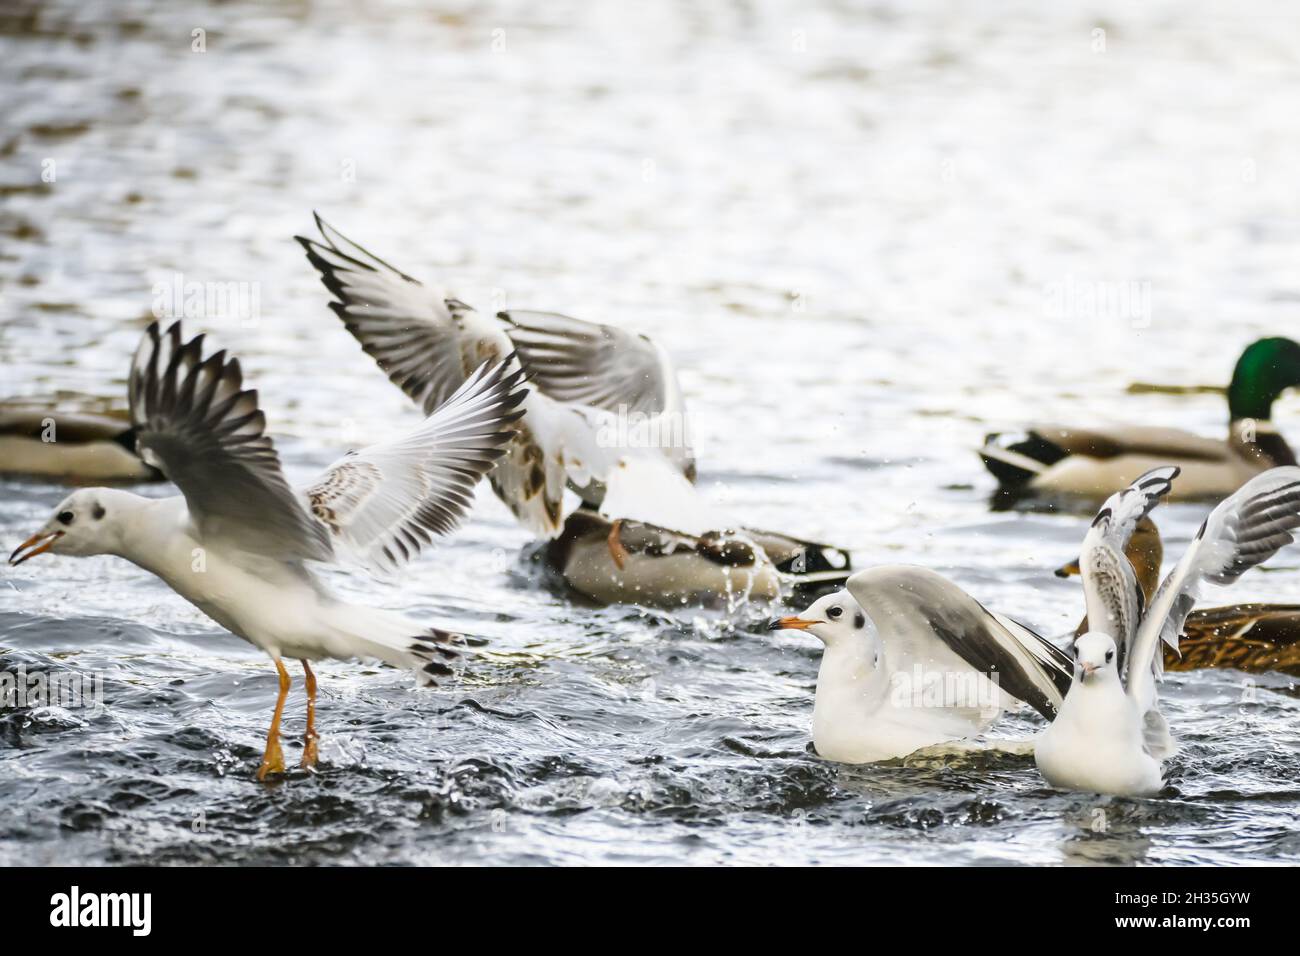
(836,619)
(83,524)
(1094,657)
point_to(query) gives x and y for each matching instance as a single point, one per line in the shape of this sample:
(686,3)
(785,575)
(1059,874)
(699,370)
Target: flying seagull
(239,543)
(605,418)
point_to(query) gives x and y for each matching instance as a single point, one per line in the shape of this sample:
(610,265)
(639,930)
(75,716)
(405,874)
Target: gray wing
(386,502)
(1111,590)
(1247,528)
(591,364)
(914,604)
(196,422)
(426,343)
(1122,511)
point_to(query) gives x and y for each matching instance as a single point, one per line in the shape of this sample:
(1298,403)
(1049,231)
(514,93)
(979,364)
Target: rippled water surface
(856,227)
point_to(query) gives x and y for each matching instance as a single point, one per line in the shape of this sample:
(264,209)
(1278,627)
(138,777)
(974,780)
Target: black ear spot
(65,517)
(98,512)
(859,621)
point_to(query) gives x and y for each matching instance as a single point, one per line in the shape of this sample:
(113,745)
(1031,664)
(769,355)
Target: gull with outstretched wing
(240,542)
(911,660)
(605,419)
(1109,736)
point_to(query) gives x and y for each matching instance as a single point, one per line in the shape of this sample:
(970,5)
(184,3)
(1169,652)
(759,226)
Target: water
(868,236)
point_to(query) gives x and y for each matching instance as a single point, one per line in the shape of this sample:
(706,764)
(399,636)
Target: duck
(72,446)
(622,561)
(1092,463)
(1252,638)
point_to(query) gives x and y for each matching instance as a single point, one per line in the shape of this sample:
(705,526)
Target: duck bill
(790,624)
(1086,671)
(1068,569)
(38,543)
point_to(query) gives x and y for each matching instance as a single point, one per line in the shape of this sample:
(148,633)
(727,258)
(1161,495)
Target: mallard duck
(1253,638)
(632,562)
(1095,462)
(72,446)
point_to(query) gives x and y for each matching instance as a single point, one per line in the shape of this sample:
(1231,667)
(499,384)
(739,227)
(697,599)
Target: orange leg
(273,758)
(310,752)
(616,549)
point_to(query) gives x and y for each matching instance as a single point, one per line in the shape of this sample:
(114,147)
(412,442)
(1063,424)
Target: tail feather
(433,655)
(1017,459)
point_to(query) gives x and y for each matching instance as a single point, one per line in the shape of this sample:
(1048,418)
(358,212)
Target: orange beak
(1065,570)
(37,543)
(790,624)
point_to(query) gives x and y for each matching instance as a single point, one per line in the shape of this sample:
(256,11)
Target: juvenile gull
(606,417)
(606,420)
(239,542)
(1252,638)
(1109,736)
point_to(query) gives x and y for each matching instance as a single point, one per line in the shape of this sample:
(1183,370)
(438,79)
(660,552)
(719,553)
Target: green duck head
(1265,370)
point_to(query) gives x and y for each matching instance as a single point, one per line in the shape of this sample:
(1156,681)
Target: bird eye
(1110,656)
(65,517)
(834,612)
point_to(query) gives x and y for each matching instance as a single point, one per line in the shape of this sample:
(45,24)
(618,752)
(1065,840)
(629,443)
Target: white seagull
(911,660)
(238,543)
(1108,736)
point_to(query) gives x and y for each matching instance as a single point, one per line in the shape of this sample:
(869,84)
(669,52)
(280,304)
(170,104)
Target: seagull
(606,417)
(911,660)
(1109,736)
(239,543)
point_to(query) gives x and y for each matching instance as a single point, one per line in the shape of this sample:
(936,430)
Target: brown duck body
(1253,638)
(1093,463)
(74,447)
(632,562)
